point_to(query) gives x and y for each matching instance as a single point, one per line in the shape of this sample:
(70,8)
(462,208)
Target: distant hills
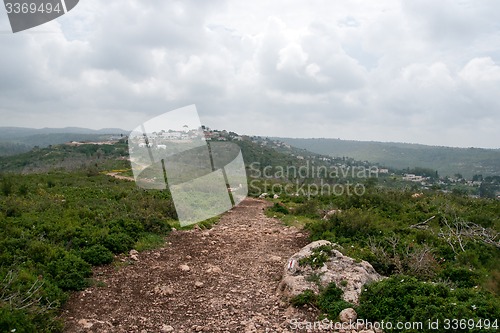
(21,132)
(446,160)
(15,140)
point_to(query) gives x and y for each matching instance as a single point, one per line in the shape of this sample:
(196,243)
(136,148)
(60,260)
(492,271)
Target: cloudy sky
(408,71)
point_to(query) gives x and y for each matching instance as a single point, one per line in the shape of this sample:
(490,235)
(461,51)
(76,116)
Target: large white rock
(348,274)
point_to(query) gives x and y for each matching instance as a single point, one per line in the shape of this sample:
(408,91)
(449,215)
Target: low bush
(97,255)
(279,208)
(329,300)
(461,277)
(304,298)
(70,272)
(406,299)
(119,242)
(156,225)
(309,209)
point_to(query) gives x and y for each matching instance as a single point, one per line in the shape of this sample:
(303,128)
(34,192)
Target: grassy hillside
(440,251)
(15,140)
(447,160)
(54,226)
(65,157)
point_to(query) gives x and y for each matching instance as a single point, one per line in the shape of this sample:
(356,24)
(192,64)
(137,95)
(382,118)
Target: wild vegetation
(16,140)
(90,158)
(440,251)
(55,226)
(60,214)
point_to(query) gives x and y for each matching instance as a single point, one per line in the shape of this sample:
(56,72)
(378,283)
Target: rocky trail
(218,280)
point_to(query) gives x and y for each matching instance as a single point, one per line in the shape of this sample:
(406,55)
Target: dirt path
(118,176)
(228,283)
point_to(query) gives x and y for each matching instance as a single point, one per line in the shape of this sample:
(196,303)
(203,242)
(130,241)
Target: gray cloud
(422,72)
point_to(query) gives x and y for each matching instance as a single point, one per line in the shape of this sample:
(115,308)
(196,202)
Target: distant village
(160,139)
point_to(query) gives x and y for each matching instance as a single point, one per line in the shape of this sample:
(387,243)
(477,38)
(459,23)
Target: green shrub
(352,224)
(309,209)
(279,208)
(461,277)
(24,321)
(23,189)
(70,272)
(42,252)
(97,255)
(7,186)
(119,242)
(156,225)
(330,301)
(405,299)
(131,227)
(382,264)
(307,297)
(17,320)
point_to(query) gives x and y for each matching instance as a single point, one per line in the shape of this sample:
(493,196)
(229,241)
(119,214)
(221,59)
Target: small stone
(348,315)
(184,268)
(214,269)
(85,323)
(166,328)
(198,284)
(134,257)
(274,258)
(164,290)
(133,252)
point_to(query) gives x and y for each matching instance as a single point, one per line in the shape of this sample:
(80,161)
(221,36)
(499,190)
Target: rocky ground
(219,280)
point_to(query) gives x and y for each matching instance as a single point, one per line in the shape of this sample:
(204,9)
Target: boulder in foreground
(318,264)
